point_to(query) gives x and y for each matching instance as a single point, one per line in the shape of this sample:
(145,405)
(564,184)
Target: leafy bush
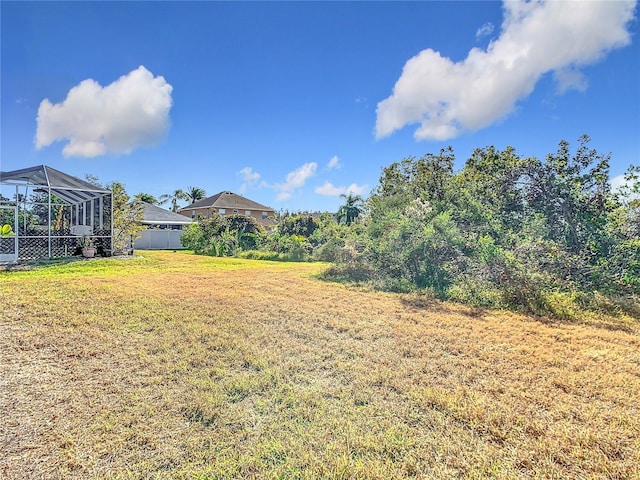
(330,237)
(200,236)
(295,247)
(301,224)
(352,262)
(249,231)
(264,255)
(222,236)
(477,293)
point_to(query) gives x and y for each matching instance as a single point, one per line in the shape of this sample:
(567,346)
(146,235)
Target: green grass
(173,365)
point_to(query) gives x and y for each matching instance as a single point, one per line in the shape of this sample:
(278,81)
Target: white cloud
(299,176)
(131,112)
(537,37)
(484,30)
(248,175)
(249,178)
(334,163)
(282,196)
(328,189)
(568,78)
(295,180)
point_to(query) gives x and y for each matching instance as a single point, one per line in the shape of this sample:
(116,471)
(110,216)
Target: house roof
(228,200)
(68,188)
(154,215)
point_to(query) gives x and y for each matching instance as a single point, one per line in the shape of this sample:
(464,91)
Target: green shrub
(295,247)
(476,293)
(303,225)
(329,251)
(222,236)
(264,255)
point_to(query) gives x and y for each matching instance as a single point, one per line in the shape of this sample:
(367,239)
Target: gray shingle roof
(154,215)
(228,200)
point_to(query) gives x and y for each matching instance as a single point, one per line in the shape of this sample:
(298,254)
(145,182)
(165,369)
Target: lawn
(179,366)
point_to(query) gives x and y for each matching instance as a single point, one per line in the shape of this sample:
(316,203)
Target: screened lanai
(48,213)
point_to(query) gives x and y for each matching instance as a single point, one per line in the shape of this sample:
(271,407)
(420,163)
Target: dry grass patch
(179,366)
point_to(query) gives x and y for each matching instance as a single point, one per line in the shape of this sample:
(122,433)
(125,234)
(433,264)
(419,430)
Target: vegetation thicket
(222,236)
(504,231)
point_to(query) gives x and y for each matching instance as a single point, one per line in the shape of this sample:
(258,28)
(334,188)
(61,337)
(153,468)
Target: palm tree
(195,194)
(145,197)
(174,198)
(351,209)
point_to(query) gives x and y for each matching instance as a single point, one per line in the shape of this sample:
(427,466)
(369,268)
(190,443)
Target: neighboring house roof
(64,186)
(228,200)
(154,215)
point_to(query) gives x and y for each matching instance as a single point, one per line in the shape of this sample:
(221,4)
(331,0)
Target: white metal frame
(12,257)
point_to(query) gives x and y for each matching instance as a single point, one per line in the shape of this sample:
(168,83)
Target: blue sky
(293,103)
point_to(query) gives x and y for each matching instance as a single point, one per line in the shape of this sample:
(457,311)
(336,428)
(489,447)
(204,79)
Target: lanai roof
(228,200)
(68,188)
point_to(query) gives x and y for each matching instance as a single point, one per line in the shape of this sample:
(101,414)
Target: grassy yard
(179,366)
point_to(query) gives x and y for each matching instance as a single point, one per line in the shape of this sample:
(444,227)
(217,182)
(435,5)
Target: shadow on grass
(614,313)
(33,264)
(27,265)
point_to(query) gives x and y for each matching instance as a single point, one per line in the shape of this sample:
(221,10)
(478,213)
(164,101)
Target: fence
(159,240)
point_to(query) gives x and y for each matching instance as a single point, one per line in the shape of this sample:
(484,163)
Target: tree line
(503,231)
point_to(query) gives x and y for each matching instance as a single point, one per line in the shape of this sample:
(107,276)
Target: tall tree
(145,197)
(173,198)
(195,193)
(574,194)
(127,217)
(351,209)
(631,200)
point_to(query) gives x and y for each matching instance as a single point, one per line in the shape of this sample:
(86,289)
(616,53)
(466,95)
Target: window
(222,211)
(193,214)
(247,213)
(265,215)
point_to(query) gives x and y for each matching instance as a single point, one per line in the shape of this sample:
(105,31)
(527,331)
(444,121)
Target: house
(229,203)
(163,229)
